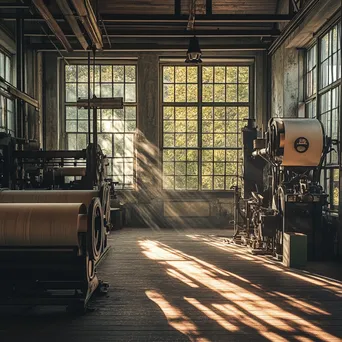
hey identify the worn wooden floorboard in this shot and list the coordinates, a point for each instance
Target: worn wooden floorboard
(189, 285)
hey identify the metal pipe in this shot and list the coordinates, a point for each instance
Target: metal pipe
(106, 33)
(20, 79)
(340, 156)
(55, 46)
(89, 125)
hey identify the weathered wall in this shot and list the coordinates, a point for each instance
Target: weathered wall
(285, 82)
(287, 60)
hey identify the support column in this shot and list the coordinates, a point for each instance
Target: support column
(50, 105)
(20, 74)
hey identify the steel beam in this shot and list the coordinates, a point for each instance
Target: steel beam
(11, 5)
(262, 18)
(179, 34)
(129, 47)
(177, 7)
(209, 7)
(214, 18)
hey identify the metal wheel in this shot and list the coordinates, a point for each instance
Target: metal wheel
(105, 201)
(95, 233)
(280, 202)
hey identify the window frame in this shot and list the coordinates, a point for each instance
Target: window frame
(329, 167)
(63, 104)
(5, 109)
(226, 62)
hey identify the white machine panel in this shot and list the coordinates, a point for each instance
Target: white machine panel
(303, 144)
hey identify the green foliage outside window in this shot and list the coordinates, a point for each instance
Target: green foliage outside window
(203, 113)
(116, 127)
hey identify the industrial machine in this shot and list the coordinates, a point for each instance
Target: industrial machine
(54, 219)
(284, 168)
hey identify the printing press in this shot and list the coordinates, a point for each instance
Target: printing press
(282, 190)
(54, 220)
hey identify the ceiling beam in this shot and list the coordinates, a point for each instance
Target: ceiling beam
(11, 5)
(51, 22)
(122, 47)
(178, 7)
(246, 18)
(69, 16)
(183, 33)
(209, 7)
(214, 18)
(87, 16)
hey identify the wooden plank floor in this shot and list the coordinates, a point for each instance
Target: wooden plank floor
(188, 286)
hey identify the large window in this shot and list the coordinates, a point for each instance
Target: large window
(324, 64)
(116, 127)
(203, 111)
(7, 115)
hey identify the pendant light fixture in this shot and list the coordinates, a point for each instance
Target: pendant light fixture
(194, 52)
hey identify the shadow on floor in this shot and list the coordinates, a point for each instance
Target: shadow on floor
(186, 285)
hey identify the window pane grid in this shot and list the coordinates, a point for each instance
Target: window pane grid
(330, 57)
(329, 108)
(212, 131)
(7, 115)
(311, 75)
(229, 84)
(116, 127)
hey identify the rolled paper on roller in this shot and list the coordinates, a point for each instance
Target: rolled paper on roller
(41, 225)
(70, 171)
(48, 196)
(303, 143)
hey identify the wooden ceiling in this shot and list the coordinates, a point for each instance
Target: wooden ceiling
(156, 23)
(168, 6)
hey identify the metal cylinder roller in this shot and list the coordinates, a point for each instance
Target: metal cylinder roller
(60, 196)
(53, 225)
(41, 225)
(48, 196)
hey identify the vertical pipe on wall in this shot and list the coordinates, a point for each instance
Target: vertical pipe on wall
(340, 138)
(268, 61)
(39, 94)
(19, 73)
(89, 121)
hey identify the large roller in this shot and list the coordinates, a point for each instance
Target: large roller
(60, 196)
(49, 246)
(42, 224)
(48, 196)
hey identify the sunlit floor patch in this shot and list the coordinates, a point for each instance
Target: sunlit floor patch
(242, 304)
(176, 317)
